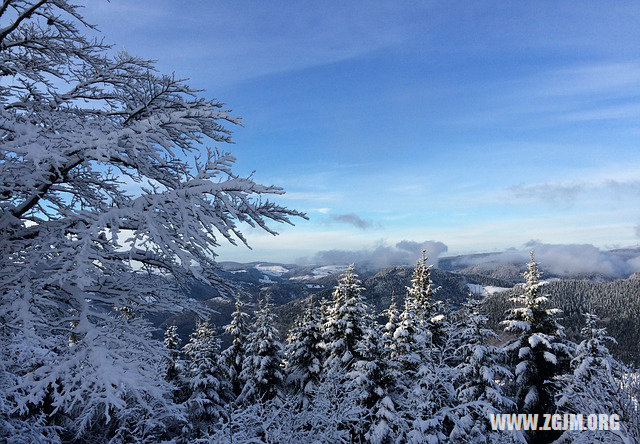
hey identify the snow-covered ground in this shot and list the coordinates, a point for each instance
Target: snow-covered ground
(306, 277)
(271, 270)
(320, 272)
(328, 269)
(220, 300)
(485, 290)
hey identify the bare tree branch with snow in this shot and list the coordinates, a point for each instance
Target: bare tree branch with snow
(78, 128)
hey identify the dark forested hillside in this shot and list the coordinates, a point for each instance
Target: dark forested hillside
(617, 303)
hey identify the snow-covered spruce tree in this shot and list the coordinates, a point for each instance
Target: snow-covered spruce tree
(432, 408)
(172, 344)
(411, 343)
(421, 292)
(346, 323)
(373, 379)
(421, 289)
(234, 355)
(304, 355)
(481, 375)
(625, 403)
(262, 372)
(591, 362)
(410, 347)
(208, 386)
(105, 199)
(176, 374)
(596, 385)
(392, 315)
(539, 352)
(326, 306)
(424, 392)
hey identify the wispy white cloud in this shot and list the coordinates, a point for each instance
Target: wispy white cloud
(588, 79)
(547, 191)
(352, 219)
(246, 40)
(552, 97)
(569, 192)
(616, 112)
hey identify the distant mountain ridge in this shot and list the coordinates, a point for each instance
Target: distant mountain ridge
(509, 265)
(291, 287)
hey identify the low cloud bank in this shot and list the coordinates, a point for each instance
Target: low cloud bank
(380, 255)
(564, 259)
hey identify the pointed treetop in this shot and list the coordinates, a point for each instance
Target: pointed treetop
(421, 290)
(264, 300)
(347, 284)
(349, 274)
(533, 274)
(592, 334)
(171, 338)
(239, 302)
(530, 296)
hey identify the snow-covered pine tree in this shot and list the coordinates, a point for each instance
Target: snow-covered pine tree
(430, 405)
(326, 305)
(592, 354)
(234, 355)
(410, 347)
(304, 355)
(346, 323)
(262, 372)
(209, 388)
(374, 381)
(106, 197)
(421, 292)
(592, 362)
(392, 315)
(421, 289)
(411, 340)
(172, 344)
(176, 373)
(481, 376)
(434, 412)
(596, 385)
(539, 352)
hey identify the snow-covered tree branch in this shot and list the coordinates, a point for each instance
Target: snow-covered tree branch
(109, 198)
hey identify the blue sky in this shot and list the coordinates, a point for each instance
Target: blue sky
(481, 125)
